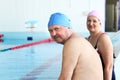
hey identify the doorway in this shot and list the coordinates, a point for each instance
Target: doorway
(112, 16)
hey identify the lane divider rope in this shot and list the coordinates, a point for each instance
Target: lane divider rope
(27, 45)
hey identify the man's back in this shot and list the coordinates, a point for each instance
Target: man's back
(88, 66)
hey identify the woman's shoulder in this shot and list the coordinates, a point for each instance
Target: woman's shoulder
(104, 37)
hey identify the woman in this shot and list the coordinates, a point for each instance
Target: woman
(102, 43)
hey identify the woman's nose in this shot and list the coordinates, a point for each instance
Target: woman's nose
(91, 23)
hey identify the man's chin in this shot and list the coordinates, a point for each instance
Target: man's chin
(60, 42)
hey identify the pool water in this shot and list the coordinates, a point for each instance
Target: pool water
(37, 62)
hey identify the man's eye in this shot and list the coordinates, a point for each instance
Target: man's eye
(56, 29)
(50, 30)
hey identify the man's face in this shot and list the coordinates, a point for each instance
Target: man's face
(58, 33)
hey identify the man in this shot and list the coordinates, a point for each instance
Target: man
(80, 61)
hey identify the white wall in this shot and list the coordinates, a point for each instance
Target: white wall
(14, 13)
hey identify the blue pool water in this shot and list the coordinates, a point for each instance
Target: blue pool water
(37, 62)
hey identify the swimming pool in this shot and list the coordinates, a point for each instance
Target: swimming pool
(36, 62)
(41, 62)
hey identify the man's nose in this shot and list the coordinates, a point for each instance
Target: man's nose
(53, 33)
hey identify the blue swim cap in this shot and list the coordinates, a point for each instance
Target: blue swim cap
(59, 19)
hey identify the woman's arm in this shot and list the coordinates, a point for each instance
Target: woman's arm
(106, 50)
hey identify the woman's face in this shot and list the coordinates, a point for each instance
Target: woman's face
(93, 24)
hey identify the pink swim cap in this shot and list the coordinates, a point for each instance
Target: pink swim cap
(95, 14)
